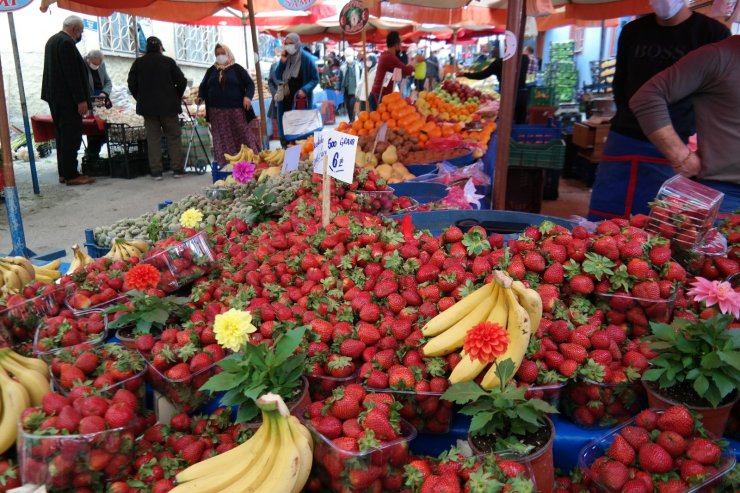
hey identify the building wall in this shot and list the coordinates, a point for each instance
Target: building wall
(33, 28)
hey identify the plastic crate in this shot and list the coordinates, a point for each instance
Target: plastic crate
(95, 167)
(93, 249)
(541, 96)
(217, 174)
(128, 164)
(121, 133)
(524, 189)
(421, 192)
(541, 115)
(535, 146)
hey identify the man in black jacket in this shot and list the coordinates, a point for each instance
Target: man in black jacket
(64, 87)
(157, 84)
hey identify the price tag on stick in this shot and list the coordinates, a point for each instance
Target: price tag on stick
(380, 136)
(340, 148)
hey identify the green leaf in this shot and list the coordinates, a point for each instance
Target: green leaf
(464, 392)
(247, 412)
(731, 358)
(505, 370)
(287, 344)
(479, 422)
(653, 374)
(723, 384)
(220, 382)
(701, 385)
(664, 332)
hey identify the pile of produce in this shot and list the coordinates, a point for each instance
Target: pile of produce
(117, 116)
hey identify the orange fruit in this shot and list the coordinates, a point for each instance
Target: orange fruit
(364, 115)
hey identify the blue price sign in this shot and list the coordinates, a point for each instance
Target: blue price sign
(296, 4)
(90, 25)
(11, 5)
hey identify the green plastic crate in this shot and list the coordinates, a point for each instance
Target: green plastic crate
(550, 155)
(541, 96)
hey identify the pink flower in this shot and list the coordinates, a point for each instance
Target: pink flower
(716, 293)
(244, 171)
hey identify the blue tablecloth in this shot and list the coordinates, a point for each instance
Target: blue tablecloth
(327, 95)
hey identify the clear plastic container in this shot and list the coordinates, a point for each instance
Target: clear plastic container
(686, 208)
(647, 310)
(134, 383)
(376, 201)
(334, 466)
(182, 263)
(20, 320)
(597, 448)
(41, 350)
(426, 411)
(713, 245)
(321, 386)
(96, 308)
(549, 393)
(62, 462)
(599, 405)
(414, 205)
(218, 193)
(127, 339)
(183, 393)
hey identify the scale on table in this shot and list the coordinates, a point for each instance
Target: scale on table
(567, 114)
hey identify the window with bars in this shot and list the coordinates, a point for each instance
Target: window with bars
(117, 34)
(195, 44)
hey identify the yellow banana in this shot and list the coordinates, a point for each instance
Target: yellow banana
(10, 277)
(519, 333)
(468, 369)
(305, 449)
(222, 464)
(15, 399)
(457, 312)
(530, 301)
(53, 265)
(257, 474)
(21, 262)
(141, 245)
(30, 363)
(286, 469)
(453, 338)
(23, 275)
(232, 158)
(36, 385)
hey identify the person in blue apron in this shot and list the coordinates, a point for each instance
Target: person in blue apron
(632, 169)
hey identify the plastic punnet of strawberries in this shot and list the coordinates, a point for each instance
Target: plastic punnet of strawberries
(20, 313)
(80, 440)
(65, 330)
(360, 441)
(103, 368)
(665, 451)
(97, 284)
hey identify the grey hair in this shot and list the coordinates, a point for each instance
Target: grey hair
(71, 22)
(95, 55)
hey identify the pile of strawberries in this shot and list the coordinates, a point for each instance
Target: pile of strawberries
(22, 312)
(65, 330)
(180, 262)
(180, 362)
(10, 476)
(162, 451)
(664, 451)
(80, 440)
(361, 442)
(104, 368)
(452, 472)
(97, 284)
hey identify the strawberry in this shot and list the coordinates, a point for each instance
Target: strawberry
(672, 442)
(638, 267)
(178, 372)
(692, 471)
(352, 348)
(660, 254)
(385, 287)
(654, 458)
(573, 352)
(200, 362)
(672, 486)
(180, 422)
(377, 379)
(192, 453)
(400, 377)
(328, 425)
(648, 419)
(635, 436)
(370, 313)
(613, 475)
(555, 274)
(703, 451)
(528, 371)
(340, 366)
(87, 362)
(118, 415)
(68, 419)
(70, 374)
(581, 284)
(534, 261)
(367, 334)
(568, 368)
(678, 419)
(620, 450)
(635, 486)
(52, 403)
(379, 424)
(453, 234)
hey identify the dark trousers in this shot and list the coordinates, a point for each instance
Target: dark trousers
(170, 125)
(373, 102)
(94, 144)
(68, 131)
(349, 103)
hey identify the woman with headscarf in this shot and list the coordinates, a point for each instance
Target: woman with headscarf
(227, 90)
(297, 77)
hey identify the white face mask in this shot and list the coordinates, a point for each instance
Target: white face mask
(94, 66)
(291, 49)
(222, 59)
(666, 9)
(350, 59)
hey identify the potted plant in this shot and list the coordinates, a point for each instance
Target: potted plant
(505, 422)
(145, 314)
(261, 368)
(698, 365)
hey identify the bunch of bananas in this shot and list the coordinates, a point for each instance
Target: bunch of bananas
(274, 157)
(27, 387)
(15, 273)
(276, 459)
(244, 154)
(79, 259)
(48, 273)
(125, 249)
(503, 301)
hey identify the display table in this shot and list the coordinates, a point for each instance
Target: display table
(43, 127)
(328, 95)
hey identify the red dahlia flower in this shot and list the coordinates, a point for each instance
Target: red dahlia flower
(142, 277)
(486, 342)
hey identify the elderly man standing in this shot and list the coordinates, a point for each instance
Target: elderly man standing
(157, 84)
(99, 84)
(65, 87)
(709, 77)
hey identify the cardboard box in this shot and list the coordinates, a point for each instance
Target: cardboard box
(587, 135)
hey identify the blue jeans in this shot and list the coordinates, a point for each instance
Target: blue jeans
(731, 202)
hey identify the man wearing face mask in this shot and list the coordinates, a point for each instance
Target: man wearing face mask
(99, 84)
(350, 74)
(65, 87)
(632, 169)
(388, 62)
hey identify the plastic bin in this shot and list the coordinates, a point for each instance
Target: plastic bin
(217, 174)
(541, 115)
(421, 192)
(93, 249)
(541, 96)
(535, 146)
(321, 386)
(378, 202)
(421, 169)
(504, 222)
(638, 312)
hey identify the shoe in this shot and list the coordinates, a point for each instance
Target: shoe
(62, 180)
(157, 177)
(80, 180)
(178, 173)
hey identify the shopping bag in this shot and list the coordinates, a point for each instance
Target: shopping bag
(300, 124)
(328, 112)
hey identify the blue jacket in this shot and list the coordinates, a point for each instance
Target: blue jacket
(309, 75)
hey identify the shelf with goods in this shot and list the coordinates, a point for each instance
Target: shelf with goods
(561, 72)
(371, 311)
